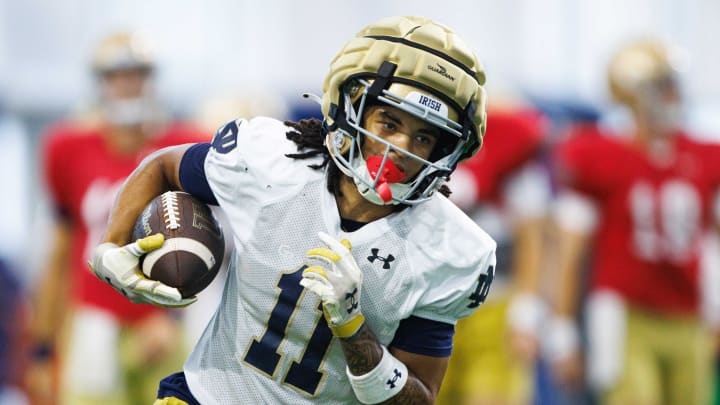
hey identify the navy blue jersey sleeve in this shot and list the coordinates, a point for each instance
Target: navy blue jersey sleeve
(423, 336)
(192, 173)
(174, 387)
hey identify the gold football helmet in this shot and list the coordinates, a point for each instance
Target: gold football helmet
(421, 67)
(637, 66)
(122, 51)
(643, 76)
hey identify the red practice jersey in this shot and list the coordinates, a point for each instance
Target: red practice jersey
(83, 176)
(512, 138)
(653, 209)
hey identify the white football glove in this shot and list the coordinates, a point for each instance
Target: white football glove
(337, 281)
(118, 266)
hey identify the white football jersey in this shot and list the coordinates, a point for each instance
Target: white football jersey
(268, 341)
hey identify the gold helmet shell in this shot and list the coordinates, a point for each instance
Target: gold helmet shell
(637, 65)
(122, 50)
(426, 55)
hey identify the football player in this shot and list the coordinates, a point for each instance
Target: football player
(350, 266)
(86, 159)
(645, 198)
(506, 190)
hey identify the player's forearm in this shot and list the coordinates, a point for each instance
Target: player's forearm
(527, 256)
(50, 305)
(363, 353)
(155, 175)
(575, 219)
(570, 253)
(50, 296)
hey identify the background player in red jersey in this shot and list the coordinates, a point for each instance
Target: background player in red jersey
(505, 189)
(647, 197)
(113, 347)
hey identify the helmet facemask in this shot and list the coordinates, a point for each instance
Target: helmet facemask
(660, 101)
(374, 176)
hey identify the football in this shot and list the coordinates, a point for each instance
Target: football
(194, 244)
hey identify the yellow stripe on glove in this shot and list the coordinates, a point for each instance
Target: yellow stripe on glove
(323, 253)
(337, 280)
(347, 329)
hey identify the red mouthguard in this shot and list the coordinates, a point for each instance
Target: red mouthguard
(389, 174)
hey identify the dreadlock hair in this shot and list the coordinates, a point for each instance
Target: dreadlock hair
(309, 136)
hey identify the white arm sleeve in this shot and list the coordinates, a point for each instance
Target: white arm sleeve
(457, 293)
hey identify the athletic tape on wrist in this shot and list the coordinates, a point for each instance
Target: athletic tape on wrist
(526, 313)
(575, 212)
(562, 339)
(381, 383)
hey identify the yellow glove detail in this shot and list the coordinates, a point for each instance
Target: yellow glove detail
(151, 242)
(118, 266)
(335, 277)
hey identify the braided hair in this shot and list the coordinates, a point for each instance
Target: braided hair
(309, 136)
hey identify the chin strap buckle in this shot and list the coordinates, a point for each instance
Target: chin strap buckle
(382, 80)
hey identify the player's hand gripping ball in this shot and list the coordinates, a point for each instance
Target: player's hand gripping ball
(335, 277)
(118, 266)
(178, 251)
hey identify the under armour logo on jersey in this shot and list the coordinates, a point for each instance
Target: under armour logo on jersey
(482, 289)
(352, 296)
(391, 382)
(386, 260)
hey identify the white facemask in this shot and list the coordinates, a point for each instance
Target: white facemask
(362, 178)
(666, 116)
(125, 112)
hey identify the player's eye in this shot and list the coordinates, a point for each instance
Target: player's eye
(388, 126)
(425, 139)
(422, 139)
